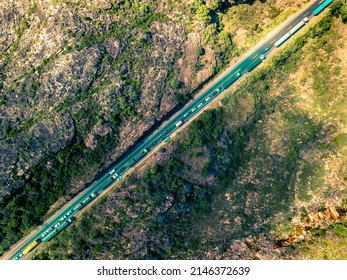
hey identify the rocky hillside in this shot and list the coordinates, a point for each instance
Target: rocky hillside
(81, 81)
(260, 176)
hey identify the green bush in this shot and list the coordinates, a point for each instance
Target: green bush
(340, 229)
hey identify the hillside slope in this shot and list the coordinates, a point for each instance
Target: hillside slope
(262, 175)
(82, 81)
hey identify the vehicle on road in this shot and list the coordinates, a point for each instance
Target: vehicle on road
(78, 207)
(282, 40)
(154, 143)
(220, 89)
(297, 27)
(63, 218)
(59, 229)
(21, 255)
(178, 123)
(86, 200)
(29, 248)
(321, 7)
(119, 178)
(253, 65)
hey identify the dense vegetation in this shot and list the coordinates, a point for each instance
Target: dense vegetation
(75, 84)
(239, 170)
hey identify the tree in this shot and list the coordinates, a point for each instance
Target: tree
(214, 4)
(343, 13)
(339, 8)
(203, 14)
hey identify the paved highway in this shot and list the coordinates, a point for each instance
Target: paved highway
(162, 134)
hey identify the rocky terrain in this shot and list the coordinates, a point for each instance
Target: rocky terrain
(82, 81)
(262, 175)
(77, 78)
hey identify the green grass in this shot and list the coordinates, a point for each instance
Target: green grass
(339, 229)
(327, 244)
(340, 140)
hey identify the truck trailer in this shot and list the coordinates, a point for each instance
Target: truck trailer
(321, 7)
(31, 246)
(253, 65)
(282, 40)
(297, 27)
(59, 229)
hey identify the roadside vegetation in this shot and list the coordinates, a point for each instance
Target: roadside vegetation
(72, 97)
(272, 154)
